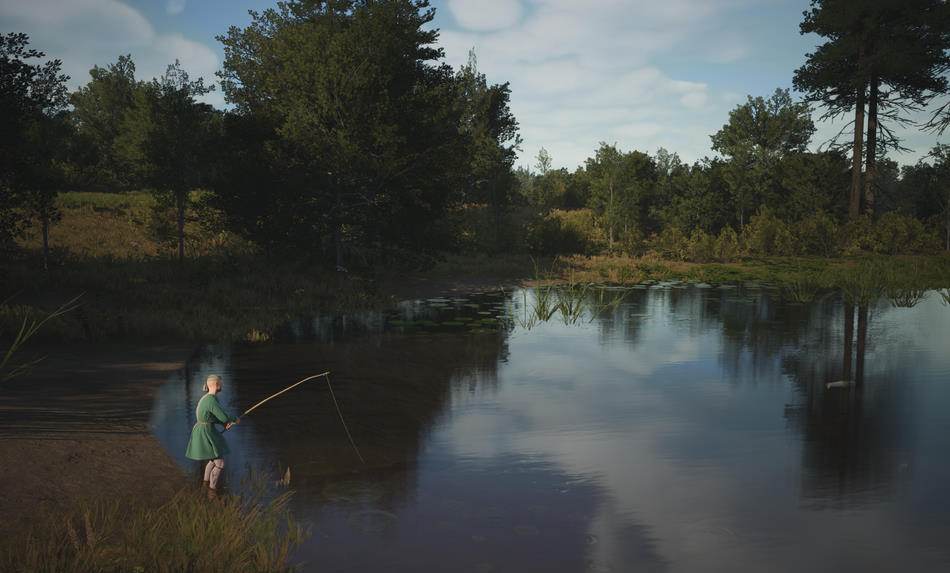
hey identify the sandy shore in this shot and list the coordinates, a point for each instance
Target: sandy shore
(75, 429)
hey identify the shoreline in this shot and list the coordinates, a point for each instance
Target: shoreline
(74, 429)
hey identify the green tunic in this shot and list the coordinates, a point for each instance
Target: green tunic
(206, 441)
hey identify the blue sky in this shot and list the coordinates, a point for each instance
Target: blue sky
(642, 74)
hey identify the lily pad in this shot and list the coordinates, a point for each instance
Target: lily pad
(492, 513)
(526, 530)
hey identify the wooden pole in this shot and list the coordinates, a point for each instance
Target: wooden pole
(251, 409)
(335, 403)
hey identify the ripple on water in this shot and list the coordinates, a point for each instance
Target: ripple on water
(352, 491)
(371, 520)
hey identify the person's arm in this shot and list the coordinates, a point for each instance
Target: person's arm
(218, 412)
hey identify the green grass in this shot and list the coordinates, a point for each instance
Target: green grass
(251, 532)
(105, 201)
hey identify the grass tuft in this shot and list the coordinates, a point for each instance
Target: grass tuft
(250, 532)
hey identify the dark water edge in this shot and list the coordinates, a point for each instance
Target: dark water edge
(686, 427)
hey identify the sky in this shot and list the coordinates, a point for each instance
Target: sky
(641, 74)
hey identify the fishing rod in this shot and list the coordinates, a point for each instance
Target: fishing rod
(325, 375)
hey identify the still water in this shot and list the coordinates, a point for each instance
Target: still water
(681, 427)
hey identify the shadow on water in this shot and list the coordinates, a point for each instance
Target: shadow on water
(672, 427)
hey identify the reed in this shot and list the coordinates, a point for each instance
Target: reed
(803, 285)
(29, 326)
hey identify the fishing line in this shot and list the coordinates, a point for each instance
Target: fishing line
(335, 403)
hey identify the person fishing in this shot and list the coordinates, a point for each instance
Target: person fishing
(206, 442)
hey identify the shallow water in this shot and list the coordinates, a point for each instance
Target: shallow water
(683, 428)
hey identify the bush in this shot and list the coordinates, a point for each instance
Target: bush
(817, 234)
(673, 244)
(701, 247)
(855, 235)
(896, 233)
(766, 234)
(631, 242)
(559, 232)
(727, 245)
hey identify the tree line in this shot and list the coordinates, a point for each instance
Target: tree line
(345, 135)
(346, 139)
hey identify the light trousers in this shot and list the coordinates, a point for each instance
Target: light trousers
(213, 471)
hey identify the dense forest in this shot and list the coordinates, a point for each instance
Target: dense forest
(347, 142)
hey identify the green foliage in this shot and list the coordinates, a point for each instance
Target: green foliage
(727, 245)
(759, 134)
(99, 109)
(560, 233)
(896, 233)
(817, 234)
(766, 235)
(704, 248)
(855, 235)
(673, 243)
(168, 133)
(33, 135)
(701, 247)
(368, 140)
(632, 241)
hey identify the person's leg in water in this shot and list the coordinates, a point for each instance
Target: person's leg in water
(213, 475)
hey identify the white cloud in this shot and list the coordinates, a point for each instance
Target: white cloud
(585, 72)
(84, 33)
(485, 14)
(175, 7)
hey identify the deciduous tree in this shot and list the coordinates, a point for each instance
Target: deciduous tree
(31, 96)
(99, 110)
(167, 132)
(758, 135)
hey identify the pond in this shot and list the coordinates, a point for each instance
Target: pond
(665, 427)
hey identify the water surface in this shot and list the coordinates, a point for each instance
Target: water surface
(684, 428)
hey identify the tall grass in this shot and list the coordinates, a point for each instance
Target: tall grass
(251, 532)
(28, 329)
(571, 300)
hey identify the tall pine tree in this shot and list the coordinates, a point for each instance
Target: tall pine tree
(887, 57)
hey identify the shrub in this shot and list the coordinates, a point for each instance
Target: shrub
(896, 233)
(673, 243)
(855, 235)
(766, 234)
(631, 242)
(727, 245)
(558, 233)
(701, 247)
(817, 234)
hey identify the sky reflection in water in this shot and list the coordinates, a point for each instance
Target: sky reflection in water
(684, 429)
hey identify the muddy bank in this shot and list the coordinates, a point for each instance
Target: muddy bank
(75, 429)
